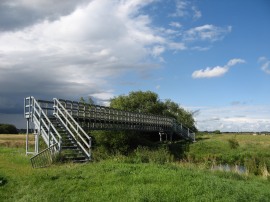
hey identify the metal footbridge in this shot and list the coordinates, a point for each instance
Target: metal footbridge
(62, 124)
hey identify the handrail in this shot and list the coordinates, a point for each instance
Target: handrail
(59, 108)
(44, 158)
(48, 125)
(36, 112)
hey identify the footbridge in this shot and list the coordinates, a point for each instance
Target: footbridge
(62, 124)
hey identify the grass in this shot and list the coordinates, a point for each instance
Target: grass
(118, 179)
(248, 150)
(15, 140)
(114, 180)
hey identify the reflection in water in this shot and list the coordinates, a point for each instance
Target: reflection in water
(228, 168)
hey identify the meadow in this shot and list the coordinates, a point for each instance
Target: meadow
(120, 178)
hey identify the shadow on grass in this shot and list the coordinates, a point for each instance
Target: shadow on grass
(179, 148)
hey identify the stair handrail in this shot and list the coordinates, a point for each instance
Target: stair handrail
(59, 108)
(37, 109)
(180, 127)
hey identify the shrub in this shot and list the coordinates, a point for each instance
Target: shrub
(234, 144)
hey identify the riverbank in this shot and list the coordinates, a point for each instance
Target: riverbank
(246, 150)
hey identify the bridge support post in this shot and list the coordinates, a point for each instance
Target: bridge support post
(160, 136)
(36, 134)
(27, 136)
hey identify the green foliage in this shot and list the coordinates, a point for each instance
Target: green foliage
(123, 142)
(90, 100)
(234, 144)
(180, 114)
(145, 102)
(8, 129)
(148, 102)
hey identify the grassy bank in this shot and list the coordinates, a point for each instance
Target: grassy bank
(122, 178)
(115, 180)
(248, 150)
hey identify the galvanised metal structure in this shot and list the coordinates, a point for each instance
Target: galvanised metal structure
(62, 125)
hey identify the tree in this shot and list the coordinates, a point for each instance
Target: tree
(90, 100)
(8, 129)
(148, 102)
(180, 114)
(145, 102)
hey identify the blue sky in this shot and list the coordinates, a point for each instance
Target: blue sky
(211, 57)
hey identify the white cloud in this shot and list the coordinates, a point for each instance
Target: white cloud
(185, 8)
(216, 71)
(209, 72)
(180, 8)
(79, 51)
(196, 13)
(175, 24)
(158, 50)
(206, 33)
(265, 64)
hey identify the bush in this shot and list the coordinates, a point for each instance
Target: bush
(234, 144)
(8, 129)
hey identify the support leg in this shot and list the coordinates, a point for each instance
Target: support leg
(27, 136)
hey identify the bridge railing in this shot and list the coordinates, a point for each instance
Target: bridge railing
(81, 137)
(184, 131)
(110, 118)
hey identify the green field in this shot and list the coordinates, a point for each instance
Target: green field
(120, 179)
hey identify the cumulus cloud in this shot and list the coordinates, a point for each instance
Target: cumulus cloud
(77, 52)
(217, 71)
(265, 64)
(75, 48)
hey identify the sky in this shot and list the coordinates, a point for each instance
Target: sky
(211, 57)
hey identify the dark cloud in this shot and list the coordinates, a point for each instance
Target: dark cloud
(18, 14)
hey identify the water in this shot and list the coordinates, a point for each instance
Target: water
(229, 168)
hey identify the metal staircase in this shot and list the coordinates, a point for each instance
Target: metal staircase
(62, 125)
(59, 132)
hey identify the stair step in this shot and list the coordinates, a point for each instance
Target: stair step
(70, 147)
